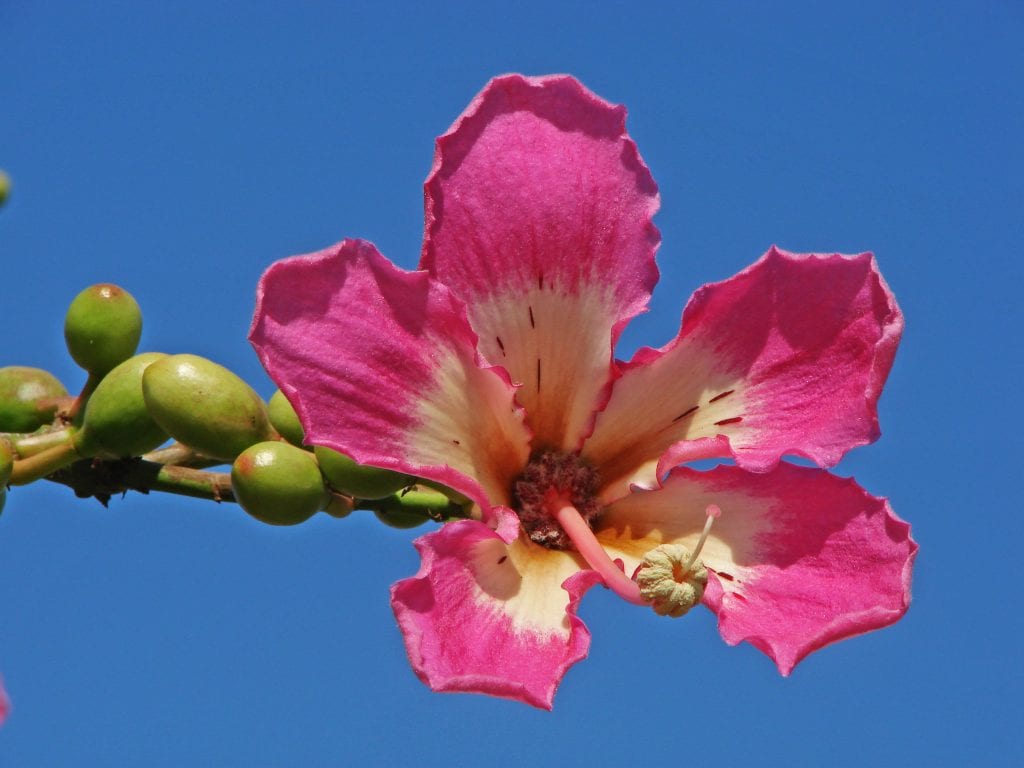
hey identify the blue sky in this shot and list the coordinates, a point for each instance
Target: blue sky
(178, 151)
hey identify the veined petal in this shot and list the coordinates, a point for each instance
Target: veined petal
(538, 216)
(380, 364)
(491, 612)
(788, 356)
(800, 558)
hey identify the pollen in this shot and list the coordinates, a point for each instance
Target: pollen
(562, 474)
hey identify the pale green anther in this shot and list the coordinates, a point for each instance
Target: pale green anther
(664, 580)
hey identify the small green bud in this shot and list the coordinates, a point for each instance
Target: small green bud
(285, 420)
(28, 398)
(357, 480)
(117, 423)
(102, 327)
(399, 518)
(6, 462)
(5, 187)
(410, 509)
(205, 406)
(278, 483)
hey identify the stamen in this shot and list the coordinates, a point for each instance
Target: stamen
(672, 579)
(578, 531)
(713, 511)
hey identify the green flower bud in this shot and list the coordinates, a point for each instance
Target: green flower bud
(397, 518)
(278, 483)
(205, 406)
(357, 480)
(117, 423)
(6, 462)
(411, 509)
(400, 520)
(285, 420)
(102, 327)
(5, 187)
(28, 398)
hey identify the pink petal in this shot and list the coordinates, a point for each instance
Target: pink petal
(538, 216)
(492, 613)
(379, 363)
(803, 558)
(5, 703)
(788, 356)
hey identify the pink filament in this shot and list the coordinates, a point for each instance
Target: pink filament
(577, 529)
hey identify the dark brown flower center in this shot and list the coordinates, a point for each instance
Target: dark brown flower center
(561, 474)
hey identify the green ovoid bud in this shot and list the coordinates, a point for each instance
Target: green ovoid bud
(357, 480)
(278, 483)
(6, 462)
(5, 187)
(285, 420)
(117, 423)
(411, 509)
(205, 406)
(399, 518)
(28, 398)
(102, 327)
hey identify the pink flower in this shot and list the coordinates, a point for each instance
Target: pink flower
(490, 370)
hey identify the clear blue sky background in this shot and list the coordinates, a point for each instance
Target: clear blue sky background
(178, 149)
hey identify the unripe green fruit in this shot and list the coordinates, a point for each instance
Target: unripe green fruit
(102, 327)
(278, 483)
(285, 420)
(357, 480)
(6, 462)
(117, 423)
(205, 406)
(27, 398)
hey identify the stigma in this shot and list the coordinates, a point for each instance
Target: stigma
(671, 578)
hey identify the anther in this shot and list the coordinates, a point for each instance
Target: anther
(671, 578)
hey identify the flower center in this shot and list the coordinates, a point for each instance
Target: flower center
(548, 474)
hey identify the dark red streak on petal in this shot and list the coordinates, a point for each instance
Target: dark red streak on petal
(719, 397)
(685, 413)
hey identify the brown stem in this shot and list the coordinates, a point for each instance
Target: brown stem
(103, 479)
(91, 382)
(180, 456)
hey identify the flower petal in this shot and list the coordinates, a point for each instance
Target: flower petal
(788, 356)
(379, 363)
(5, 703)
(801, 558)
(538, 216)
(490, 612)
